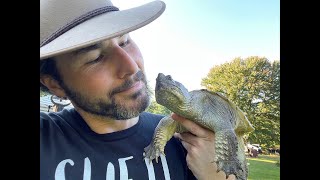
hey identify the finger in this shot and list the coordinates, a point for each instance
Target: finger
(177, 135)
(231, 177)
(189, 147)
(186, 145)
(191, 126)
(188, 137)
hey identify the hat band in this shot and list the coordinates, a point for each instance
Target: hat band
(77, 21)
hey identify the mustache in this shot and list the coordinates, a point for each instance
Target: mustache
(139, 76)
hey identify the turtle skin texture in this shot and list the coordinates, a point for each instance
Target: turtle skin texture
(211, 110)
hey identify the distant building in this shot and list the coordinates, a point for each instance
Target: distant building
(47, 106)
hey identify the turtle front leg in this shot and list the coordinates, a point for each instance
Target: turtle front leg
(226, 147)
(162, 134)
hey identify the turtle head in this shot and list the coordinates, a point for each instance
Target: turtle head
(170, 93)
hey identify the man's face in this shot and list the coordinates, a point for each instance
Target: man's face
(106, 79)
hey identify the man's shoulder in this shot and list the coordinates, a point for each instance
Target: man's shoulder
(47, 118)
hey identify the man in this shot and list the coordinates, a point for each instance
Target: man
(88, 57)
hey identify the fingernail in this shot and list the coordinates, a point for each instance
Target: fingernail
(175, 117)
(176, 135)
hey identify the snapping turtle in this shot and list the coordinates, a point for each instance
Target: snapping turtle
(209, 109)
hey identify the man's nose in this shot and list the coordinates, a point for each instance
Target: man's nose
(126, 64)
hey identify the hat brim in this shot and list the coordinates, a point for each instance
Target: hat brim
(103, 27)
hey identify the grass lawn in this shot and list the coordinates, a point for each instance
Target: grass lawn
(264, 167)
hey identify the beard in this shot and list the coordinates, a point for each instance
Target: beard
(121, 109)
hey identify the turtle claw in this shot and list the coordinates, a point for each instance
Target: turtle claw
(226, 155)
(230, 167)
(153, 152)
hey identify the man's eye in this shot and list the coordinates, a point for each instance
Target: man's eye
(123, 44)
(96, 60)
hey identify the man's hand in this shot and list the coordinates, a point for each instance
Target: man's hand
(199, 142)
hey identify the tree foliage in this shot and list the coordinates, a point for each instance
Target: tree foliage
(158, 109)
(254, 85)
(43, 93)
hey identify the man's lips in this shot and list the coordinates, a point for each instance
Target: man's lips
(133, 84)
(137, 86)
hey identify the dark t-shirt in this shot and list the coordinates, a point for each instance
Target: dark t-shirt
(70, 150)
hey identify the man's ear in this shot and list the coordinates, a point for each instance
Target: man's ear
(52, 85)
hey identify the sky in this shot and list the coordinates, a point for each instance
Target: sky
(191, 37)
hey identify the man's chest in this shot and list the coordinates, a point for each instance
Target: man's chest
(113, 163)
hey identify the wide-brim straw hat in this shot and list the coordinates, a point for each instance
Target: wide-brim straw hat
(67, 25)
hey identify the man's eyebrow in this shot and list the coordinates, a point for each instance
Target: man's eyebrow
(86, 49)
(94, 47)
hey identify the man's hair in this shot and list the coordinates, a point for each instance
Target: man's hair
(48, 67)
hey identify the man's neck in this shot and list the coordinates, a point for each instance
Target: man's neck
(104, 125)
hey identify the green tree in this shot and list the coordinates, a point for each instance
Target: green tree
(254, 85)
(43, 93)
(157, 108)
